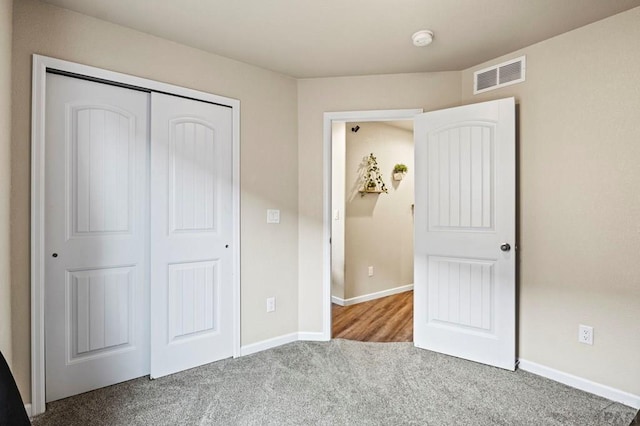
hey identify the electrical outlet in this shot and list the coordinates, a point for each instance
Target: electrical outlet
(271, 304)
(585, 334)
(370, 271)
(273, 216)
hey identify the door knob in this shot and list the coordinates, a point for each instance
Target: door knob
(505, 247)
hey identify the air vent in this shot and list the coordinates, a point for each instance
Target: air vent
(504, 74)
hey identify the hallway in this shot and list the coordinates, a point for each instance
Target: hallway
(389, 319)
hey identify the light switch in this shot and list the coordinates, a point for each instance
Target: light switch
(273, 216)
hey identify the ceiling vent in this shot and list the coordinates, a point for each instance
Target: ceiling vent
(504, 74)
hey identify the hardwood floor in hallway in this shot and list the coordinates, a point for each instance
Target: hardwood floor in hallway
(389, 319)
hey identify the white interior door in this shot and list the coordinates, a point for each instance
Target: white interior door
(191, 234)
(96, 295)
(465, 232)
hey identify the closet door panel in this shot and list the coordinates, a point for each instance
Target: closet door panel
(96, 285)
(191, 231)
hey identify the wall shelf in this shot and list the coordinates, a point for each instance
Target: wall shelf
(368, 191)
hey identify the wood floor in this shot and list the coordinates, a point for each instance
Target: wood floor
(389, 319)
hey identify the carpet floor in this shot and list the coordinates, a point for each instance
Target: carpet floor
(339, 383)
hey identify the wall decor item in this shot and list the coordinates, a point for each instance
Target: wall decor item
(372, 179)
(399, 170)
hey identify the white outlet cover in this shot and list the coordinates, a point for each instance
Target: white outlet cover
(273, 216)
(585, 334)
(271, 304)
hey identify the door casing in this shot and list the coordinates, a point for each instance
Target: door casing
(39, 70)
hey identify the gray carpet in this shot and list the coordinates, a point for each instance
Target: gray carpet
(339, 383)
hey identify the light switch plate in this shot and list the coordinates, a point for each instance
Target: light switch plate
(273, 216)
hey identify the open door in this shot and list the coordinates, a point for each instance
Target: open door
(465, 232)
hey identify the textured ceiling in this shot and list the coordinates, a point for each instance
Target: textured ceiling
(322, 38)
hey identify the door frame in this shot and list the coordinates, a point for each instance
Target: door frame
(39, 72)
(328, 119)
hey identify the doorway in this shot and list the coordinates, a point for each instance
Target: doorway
(372, 232)
(464, 266)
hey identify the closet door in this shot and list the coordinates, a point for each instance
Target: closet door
(191, 233)
(96, 285)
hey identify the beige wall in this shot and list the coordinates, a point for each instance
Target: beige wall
(317, 96)
(579, 170)
(5, 176)
(268, 154)
(378, 227)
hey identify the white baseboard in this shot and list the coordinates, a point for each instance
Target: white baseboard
(268, 344)
(371, 296)
(312, 336)
(337, 300)
(282, 340)
(582, 384)
(27, 408)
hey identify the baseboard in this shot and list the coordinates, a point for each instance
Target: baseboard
(312, 336)
(274, 342)
(582, 384)
(27, 408)
(371, 296)
(268, 344)
(337, 300)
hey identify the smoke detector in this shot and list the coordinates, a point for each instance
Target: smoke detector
(422, 38)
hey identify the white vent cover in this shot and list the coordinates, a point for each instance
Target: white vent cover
(504, 74)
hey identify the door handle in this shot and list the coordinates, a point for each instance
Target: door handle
(505, 247)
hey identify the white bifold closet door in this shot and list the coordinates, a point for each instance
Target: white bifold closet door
(96, 234)
(138, 224)
(191, 233)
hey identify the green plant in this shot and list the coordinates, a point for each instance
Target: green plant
(400, 168)
(372, 176)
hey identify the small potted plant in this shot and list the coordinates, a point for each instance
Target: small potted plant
(399, 171)
(372, 178)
